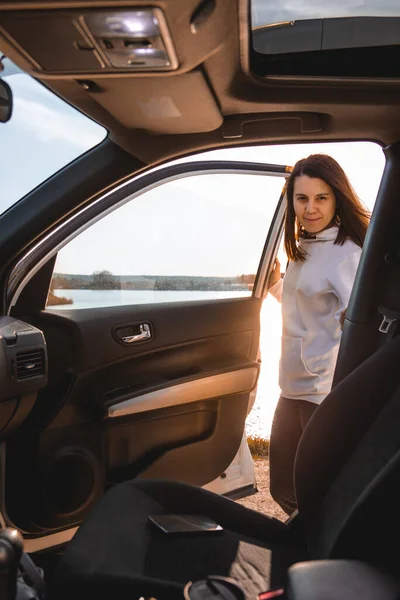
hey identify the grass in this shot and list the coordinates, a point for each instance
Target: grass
(53, 300)
(259, 447)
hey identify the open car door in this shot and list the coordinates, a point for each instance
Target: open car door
(148, 299)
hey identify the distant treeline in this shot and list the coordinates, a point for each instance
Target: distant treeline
(104, 280)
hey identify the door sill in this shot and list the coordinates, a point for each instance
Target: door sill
(244, 492)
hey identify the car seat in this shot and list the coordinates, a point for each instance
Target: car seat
(346, 473)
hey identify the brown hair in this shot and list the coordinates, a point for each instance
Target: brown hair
(351, 216)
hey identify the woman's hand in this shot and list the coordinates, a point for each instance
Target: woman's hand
(276, 274)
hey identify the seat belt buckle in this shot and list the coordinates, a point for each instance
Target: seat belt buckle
(389, 317)
(386, 324)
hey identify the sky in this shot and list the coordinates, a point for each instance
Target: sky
(210, 225)
(43, 135)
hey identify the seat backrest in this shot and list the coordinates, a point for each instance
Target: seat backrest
(363, 499)
(341, 422)
(343, 454)
(371, 530)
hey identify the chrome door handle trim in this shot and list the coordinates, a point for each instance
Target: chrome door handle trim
(145, 334)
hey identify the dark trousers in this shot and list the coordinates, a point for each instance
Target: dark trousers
(290, 420)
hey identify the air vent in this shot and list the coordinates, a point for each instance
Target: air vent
(30, 364)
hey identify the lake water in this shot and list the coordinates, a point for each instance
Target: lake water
(260, 418)
(94, 298)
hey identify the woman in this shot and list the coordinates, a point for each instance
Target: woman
(325, 229)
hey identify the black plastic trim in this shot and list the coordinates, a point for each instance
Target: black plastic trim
(361, 336)
(243, 492)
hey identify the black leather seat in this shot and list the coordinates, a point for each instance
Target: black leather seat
(346, 474)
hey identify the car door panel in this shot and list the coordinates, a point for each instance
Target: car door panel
(172, 405)
(182, 391)
(186, 322)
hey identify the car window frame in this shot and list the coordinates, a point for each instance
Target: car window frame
(45, 249)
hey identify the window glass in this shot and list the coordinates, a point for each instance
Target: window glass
(198, 237)
(266, 13)
(344, 38)
(43, 135)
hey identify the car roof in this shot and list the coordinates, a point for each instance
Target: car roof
(213, 99)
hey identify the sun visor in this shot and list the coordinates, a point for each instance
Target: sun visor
(168, 105)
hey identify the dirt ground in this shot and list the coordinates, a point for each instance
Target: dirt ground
(262, 501)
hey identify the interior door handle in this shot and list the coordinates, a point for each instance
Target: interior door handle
(145, 334)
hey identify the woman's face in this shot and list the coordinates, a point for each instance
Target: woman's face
(314, 203)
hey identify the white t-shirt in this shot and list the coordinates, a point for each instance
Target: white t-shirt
(313, 295)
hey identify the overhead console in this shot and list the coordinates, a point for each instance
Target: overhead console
(134, 39)
(23, 371)
(139, 64)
